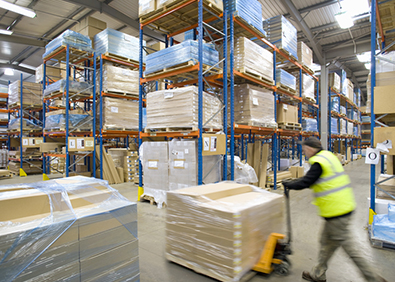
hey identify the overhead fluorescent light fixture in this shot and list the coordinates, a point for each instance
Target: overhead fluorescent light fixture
(9, 72)
(355, 7)
(344, 19)
(6, 32)
(17, 9)
(364, 57)
(367, 66)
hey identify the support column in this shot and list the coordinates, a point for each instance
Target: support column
(324, 107)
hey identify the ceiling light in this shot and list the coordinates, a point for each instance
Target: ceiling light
(355, 7)
(344, 19)
(9, 72)
(364, 57)
(6, 32)
(367, 66)
(17, 9)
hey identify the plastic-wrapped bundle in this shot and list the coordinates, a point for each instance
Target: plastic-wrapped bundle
(244, 173)
(3, 117)
(3, 157)
(253, 105)
(350, 112)
(335, 104)
(177, 108)
(308, 86)
(71, 38)
(74, 228)
(350, 128)
(3, 89)
(282, 33)
(343, 110)
(188, 35)
(249, 10)
(249, 56)
(201, 223)
(309, 125)
(27, 124)
(74, 87)
(285, 78)
(305, 54)
(355, 131)
(118, 79)
(343, 127)
(384, 62)
(32, 93)
(383, 226)
(120, 114)
(334, 81)
(180, 53)
(355, 116)
(76, 121)
(344, 82)
(118, 43)
(334, 126)
(365, 119)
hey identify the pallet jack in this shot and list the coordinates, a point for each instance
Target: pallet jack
(274, 257)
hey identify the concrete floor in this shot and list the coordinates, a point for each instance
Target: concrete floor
(306, 228)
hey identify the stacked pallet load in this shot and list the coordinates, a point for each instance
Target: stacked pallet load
(31, 155)
(131, 167)
(343, 127)
(52, 73)
(178, 108)
(119, 114)
(308, 86)
(282, 34)
(286, 80)
(32, 94)
(229, 217)
(305, 54)
(252, 59)
(336, 104)
(309, 125)
(287, 117)
(253, 106)
(350, 128)
(74, 229)
(78, 120)
(120, 80)
(248, 11)
(334, 125)
(90, 26)
(76, 89)
(334, 82)
(28, 125)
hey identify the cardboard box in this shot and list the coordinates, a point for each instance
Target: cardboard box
(90, 31)
(381, 134)
(305, 54)
(214, 144)
(300, 171)
(46, 147)
(287, 113)
(90, 21)
(384, 99)
(81, 144)
(53, 73)
(146, 6)
(294, 171)
(31, 142)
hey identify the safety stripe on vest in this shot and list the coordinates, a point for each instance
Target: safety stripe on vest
(337, 174)
(325, 193)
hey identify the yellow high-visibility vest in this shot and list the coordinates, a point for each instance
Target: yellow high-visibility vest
(332, 191)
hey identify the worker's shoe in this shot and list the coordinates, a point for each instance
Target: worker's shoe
(306, 276)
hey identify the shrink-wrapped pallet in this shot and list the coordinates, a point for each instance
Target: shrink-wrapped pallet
(285, 79)
(114, 42)
(350, 128)
(71, 38)
(249, 10)
(178, 108)
(335, 104)
(343, 110)
(305, 54)
(253, 106)
(334, 125)
(249, 57)
(282, 33)
(309, 125)
(31, 93)
(52, 74)
(120, 80)
(220, 229)
(119, 114)
(72, 229)
(184, 52)
(14, 124)
(343, 127)
(78, 119)
(307, 86)
(334, 81)
(75, 87)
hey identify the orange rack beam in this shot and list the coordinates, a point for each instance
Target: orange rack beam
(170, 134)
(3, 95)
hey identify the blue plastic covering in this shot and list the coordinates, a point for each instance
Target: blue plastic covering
(188, 35)
(344, 82)
(27, 124)
(309, 125)
(178, 54)
(71, 38)
(282, 33)
(144, 117)
(248, 10)
(74, 87)
(56, 122)
(343, 110)
(349, 113)
(118, 43)
(48, 247)
(365, 119)
(285, 78)
(335, 104)
(356, 131)
(334, 126)
(384, 225)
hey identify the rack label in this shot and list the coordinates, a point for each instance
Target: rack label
(153, 164)
(213, 145)
(178, 163)
(72, 143)
(89, 143)
(114, 109)
(80, 143)
(168, 95)
(206, 143)
(255, 101)
(25, 142)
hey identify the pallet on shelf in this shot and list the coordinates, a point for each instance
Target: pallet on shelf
(177, 129)
(121, 58)
(76, 54)
(5, 173)
(255, 75)
(25, 106)
(286, 88)
(290, 125)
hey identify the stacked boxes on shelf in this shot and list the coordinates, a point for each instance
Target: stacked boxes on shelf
(285, 79)
(287, 114)
(249, 10)
(251, 58)
(78, 119)
(119, 114)
(131, 167)
(90, 26)
(146, 7)
(283, 34)
(309, 125)
(202, 220)
(334, 82)
(334, 125)
(350, 128)
(335, 104)
(52, 72)
(120, 80)
(308, 86)
(343, 127)
(305, 54)
(32, 93)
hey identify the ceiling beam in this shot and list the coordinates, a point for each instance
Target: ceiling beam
(18, 68)
(22, 40)
(117, 15)
(314, 7)
(346, 51)
(290, 7)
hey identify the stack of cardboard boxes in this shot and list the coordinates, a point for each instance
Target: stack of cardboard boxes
(90, 26)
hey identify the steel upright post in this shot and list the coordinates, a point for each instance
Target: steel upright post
(225, 89)
(67, 109)
(200, 92)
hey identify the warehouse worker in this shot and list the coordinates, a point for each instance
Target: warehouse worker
(335, 200)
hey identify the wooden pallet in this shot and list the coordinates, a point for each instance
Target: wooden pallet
(24, 130)
(239, 31)
(125, 94)
(75, 54)
(72, 95)
(282, 59)
(105, 129)
(286, 88)
(253, 74)
(71, 130)
(5, 174)
(309, 99)
(121, 58)
(25, 106)
(258, 124)
(150, 199)
(289, 126)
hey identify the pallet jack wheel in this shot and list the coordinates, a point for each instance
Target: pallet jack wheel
(282, 269)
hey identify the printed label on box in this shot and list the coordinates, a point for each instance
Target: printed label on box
(206, 143)
(285, 107)
(89, 143)
(178, 163)
(114, 109)
(38, 141)
(72, 143)
(213, 147)
(186, 151)
(255, 101)
(25, 142)
(80, 143)
(31, 141)
(168, 95)
(153, 164)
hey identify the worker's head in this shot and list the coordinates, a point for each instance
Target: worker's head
(311, 146)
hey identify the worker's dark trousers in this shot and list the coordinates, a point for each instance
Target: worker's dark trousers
(337, 233)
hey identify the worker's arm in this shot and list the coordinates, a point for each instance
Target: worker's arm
(306, 181)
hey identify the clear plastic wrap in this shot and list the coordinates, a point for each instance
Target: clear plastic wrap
(334, 126)
(58, 122)
(177, 108)
(52, 73)
(307, 86)
(27, 124)
(253, 105)
(249, 10)
(252, 58)
(305, 54)
(343, 127)
(118, 43)
(383, 62)
(3, 157)
(118, 79)
(335, 104)
(383, 226)
(73, 228)
(282, 33)
(188, 35)
(355, 116)
(343, 110)
(74, 87)
(356, 131)
(71, 38)
(32, 93)
(221, 229)
(285, 78)
(119, 114)
(334, 81)
(181, 53)
(344, 82)
(350, 128)
(3, 89)
(309, 125)
(244, 173)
